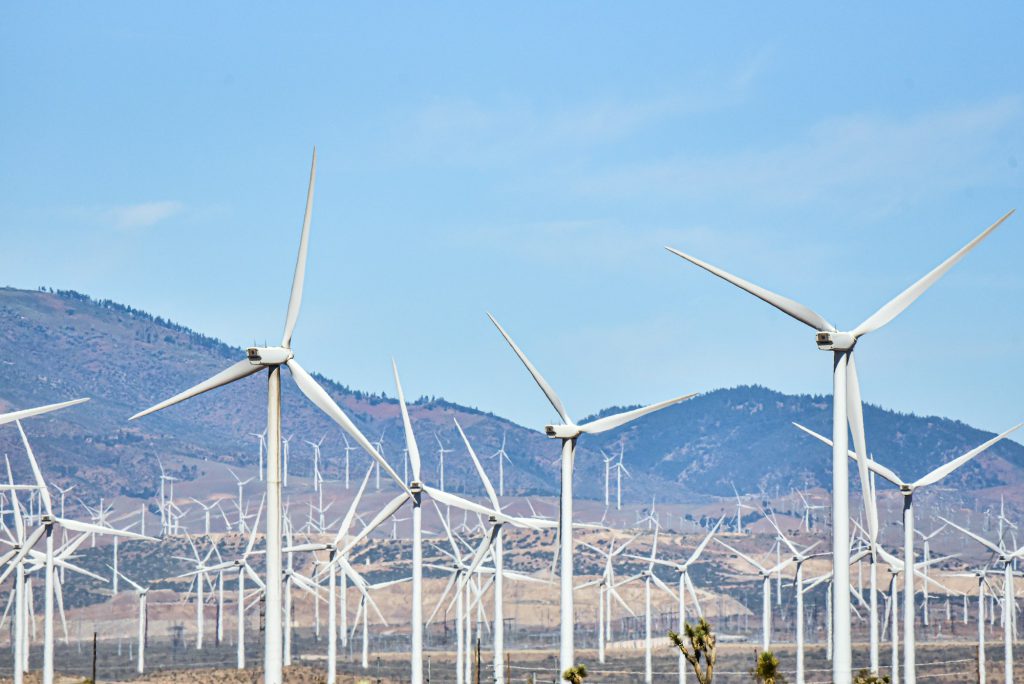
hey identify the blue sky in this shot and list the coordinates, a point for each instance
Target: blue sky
(532, 160)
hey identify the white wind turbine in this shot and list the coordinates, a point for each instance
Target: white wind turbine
(317, 480)
(980, 575)
(206, 513)
(285, 444)
(413, 492)
(272, 359)
(262, 437)
(739, 510)
(798, 559)
(907, 489)
(348, 448)
(766, 591)
(502, 457)
(607, 476)
(648, 576)
(496, 544)
(143, 594)
(441, 451)
(48, 520)
(846, 411)
(568, 432)
(926, 555)
(606, 592)
(620, 469)
(335, 561)
(1007, 558)
(686, 584)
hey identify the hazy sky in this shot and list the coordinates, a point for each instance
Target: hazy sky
(532, 161)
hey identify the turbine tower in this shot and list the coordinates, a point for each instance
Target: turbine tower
(272, 359)
(847, 416)
(568, 432)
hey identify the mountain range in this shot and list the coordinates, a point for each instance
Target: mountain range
(61, 345)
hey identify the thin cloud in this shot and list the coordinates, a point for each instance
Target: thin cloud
(856, 155)
(144, 215)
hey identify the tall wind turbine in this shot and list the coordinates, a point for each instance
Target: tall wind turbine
(568, 432)
(262, 437)
(846, 411)
(272, 359)
(907, 489)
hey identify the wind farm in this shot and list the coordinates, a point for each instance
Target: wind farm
(495, 205)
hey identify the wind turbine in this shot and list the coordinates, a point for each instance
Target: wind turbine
(413, 492)
(348, 448)
(143, 593)
(606, 584)
(907, 489)
(1007, 558)
(568, 432)
(262, 437)
(241, 489)
(686, 584)
(846, 411)
(441, 451)
(285, 444)
(316, 462)
(648, 577)
(502, 457)
(798, 559)
(333, 563)
(607, 476)
(272, 359)
(206, 511)
(620, 469)
(766, 591)
(739, 509)
(48, 520)
(498, 553)
(926, 555)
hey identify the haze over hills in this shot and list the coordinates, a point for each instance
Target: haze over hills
(63, 345)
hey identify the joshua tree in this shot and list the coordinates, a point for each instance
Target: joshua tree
(865, 677)
(575, 675)
(697, 644)
(766, 669)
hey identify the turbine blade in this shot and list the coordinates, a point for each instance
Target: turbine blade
(22, 552)
(984, 542)
(945, 469)
(896, 306)
(743, 556)
(548, 391)
(346, 522)
(664, 587)
(385, 513)
(78, 526)
(795, 309)
(255, 527)
(855, 416)
(491, 494)
(873, 466)
(44, 493)
(59, 595)
(440, 601)
(295, 299)
(410, 437)
(609, 422)
(693, 593)
(318, 395)
(234, 372)
(700, 547)
(27, 413)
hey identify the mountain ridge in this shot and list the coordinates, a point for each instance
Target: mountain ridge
(63, 344)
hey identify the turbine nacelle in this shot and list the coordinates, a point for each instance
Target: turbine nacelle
(269, 356)
(563, 431)
(830, 340)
